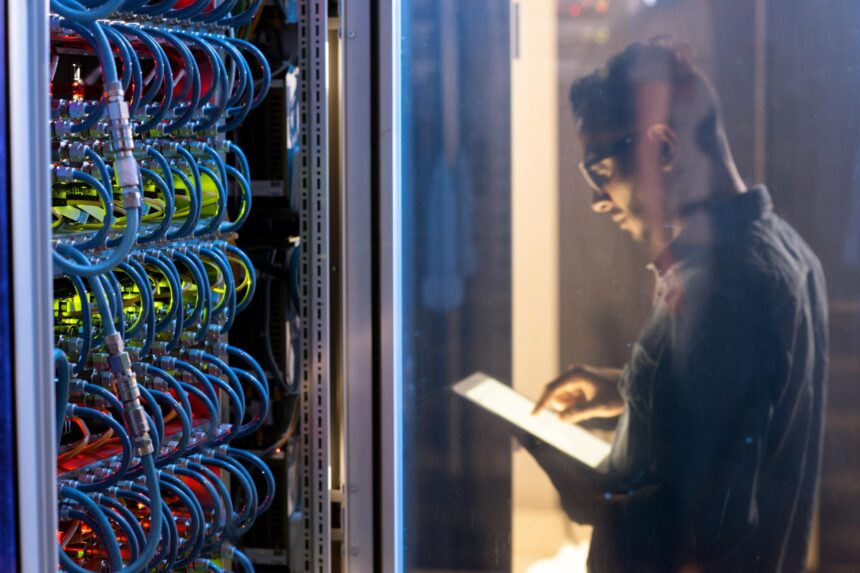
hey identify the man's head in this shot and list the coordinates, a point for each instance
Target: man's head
(651, 132)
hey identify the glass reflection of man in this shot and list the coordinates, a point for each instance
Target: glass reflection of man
(716, 456)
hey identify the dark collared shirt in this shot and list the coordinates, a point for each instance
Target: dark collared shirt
(718, 452)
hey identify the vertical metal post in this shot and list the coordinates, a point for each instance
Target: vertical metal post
(356, 346)
(29, 162)
(314, 282)
(390, 290)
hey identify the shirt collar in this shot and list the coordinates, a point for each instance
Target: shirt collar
(713, 223)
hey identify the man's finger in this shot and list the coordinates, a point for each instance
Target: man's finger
(544, 398)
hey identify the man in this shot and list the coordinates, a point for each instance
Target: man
(716, 455)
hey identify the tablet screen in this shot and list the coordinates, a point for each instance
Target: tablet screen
(501, 400)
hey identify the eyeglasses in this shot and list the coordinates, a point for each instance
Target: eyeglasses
(598, 180)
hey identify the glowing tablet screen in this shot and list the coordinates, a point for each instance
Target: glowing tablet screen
(501, 400)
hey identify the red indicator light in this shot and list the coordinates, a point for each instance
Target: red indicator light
(574, 10)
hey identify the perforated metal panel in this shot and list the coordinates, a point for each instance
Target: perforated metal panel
(314, 281)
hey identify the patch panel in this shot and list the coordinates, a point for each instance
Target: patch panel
(148, 195)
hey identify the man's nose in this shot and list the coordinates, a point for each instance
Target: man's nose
(600, 202)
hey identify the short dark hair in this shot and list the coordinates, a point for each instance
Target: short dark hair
(604, 100)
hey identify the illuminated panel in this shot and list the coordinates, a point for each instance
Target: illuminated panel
(509, 405)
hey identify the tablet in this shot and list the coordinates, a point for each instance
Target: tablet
(501, 400)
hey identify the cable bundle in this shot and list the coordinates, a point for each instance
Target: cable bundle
(149, 393)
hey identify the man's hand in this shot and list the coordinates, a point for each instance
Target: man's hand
(582, 393)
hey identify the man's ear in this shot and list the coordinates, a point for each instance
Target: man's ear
(667, 138)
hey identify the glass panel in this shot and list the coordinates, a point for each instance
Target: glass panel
(669, 219)
(457, 285)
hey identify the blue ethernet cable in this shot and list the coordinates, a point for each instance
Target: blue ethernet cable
(73, 410)
(219, 493)
(86, 322)
(200, 284)
(157, 8)
(192, 84)
(201, 538)
(190, 222)
(175, 290)
(195, 193)
(240, 112)
(258, 419)
(120, 508)
(163, 78)
(79, 264)
(78, 11)
(219, 162)
(212, 360)
(195, 541)
(252, 274)
(219, 75)
(245, 483)
(103, 394)
(124, 525)
(97, 288)
(266, 69)
(156, 421)
(114, 289)
(215, 222)
(205, 291)
(148, 92)
(245, 518)
(184, 421)
(169, 362)
(98, 238)
(149, 303)
(244, 81)
(107, 536)
(234, 226)
(161, 521)
(219, 84)
(143, 287)
(64, 375)
(241, 157)
(212, 411)
(93, 35)
(222, 505)
(244, 87)
(217, 13)
(235, 402)
(135, 532)
(166, 172)
(264, 469)
(244, 17)
(161, 229)
(178, 317)
(243, 561)
(172, 384)
(132, 75)
(189, 11)
(228, 301)
(110, 293)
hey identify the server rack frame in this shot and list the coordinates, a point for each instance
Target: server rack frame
(356, 293)
(388, 135)
(27, 25)
(314, 289)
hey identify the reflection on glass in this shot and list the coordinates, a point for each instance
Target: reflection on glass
(669, 217)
